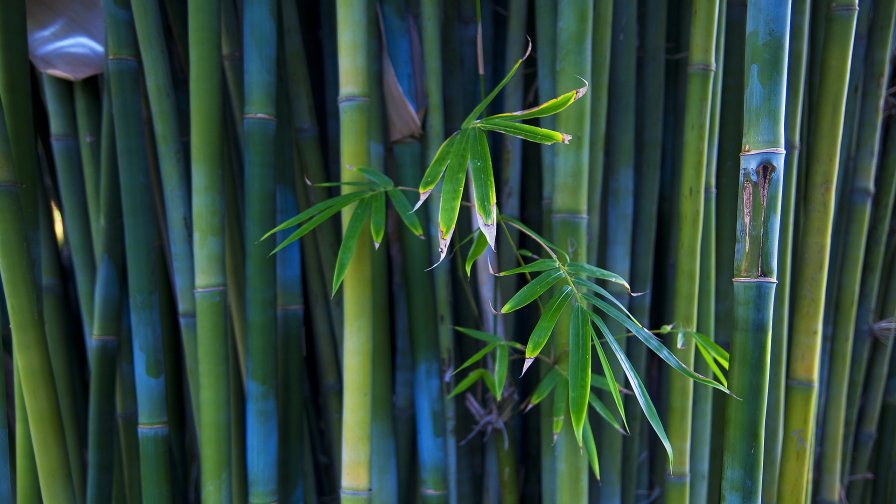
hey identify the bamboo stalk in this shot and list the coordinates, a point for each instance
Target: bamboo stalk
(126, 409)
(701, 67)
(802, 369)
(142, 255)
(26, 478)
(260, 27)
(856, 223)
(756, 250)
(208, 274)
(569, 222)
(358, 316)
(7, 456)
(88, 117)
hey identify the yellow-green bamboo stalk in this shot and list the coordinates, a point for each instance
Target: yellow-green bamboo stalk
(812, 259)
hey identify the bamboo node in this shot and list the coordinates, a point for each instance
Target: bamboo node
(701, 67)
(265, 117)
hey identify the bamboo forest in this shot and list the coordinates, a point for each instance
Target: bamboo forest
(447, 251)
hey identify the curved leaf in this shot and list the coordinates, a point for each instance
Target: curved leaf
(501, 362)
(377, 217)
(481, 336)
(349, 241)
(476, 357)
(491, 96)
(338, 202)
(548, 320)
(545, 386)
(532, 267)
(452, 192)
(612, 386)
(377, 177)
(404, 210)
(591, 451)
(595, 272)
(605, 412)
(532, 290)
(579, 369)
(524, 131)
(545, 109)
(479, 245)
(472, 378)
(483, 182)
(437, 167)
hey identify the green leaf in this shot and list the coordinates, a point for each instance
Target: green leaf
(532, 290)
(377, 217)
(483, 181)
(599, 382)
(481, 336)
(544, 388)
(547, 108)
(595, 272)
(605, 412)
(547, 245)
(653, 343)
(314, 222)
(472, 378)
(710, 361)
(612, 385)
(476, 357)
(525, 131)
(579, 369)
(452, 193)
(501, 364)
(713, 348)
(546, 323)
(491, 96)
(403, 209)
(637, 385)
(437, 167)
(532, 267)
(559, 410)
(377, 177)
(591, 451)
(349, 241)
(588, 284)
(477, 249)
(338, 202)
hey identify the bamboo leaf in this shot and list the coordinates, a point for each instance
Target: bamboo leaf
(653, 343)
(532, 290)
(377, 217)
(548, 320)
(337, 203)
(377, 177)
(637, 386)
(559, 407)
(579, 369)
(477, 249)
(310, 225)
(545, 386)
(481, 336)
(547, 108)
(472, 378)
(437, 167)
(525, 131)
(587, 284)
(718, 353)
(501, 363)
(612, 385)
(403, 209)
(491, 96)
(551, 249)
(452, 193)
(605, 412)
(711, 362)
(532, 267)
(591, 450)
(349, 241)
(476, 357)
(595, 272)
(599, 382)
(483, 181)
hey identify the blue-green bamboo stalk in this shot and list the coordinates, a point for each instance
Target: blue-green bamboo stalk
(260, 27)
(88, 117)
(208, 275)
(141, 252)
(126, 409)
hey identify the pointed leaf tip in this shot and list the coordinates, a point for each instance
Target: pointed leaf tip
(423, 196)
(566, 138)
(526, 364)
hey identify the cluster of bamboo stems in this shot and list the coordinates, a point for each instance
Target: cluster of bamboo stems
(157, 351)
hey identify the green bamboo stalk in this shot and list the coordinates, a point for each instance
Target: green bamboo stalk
(27, 485)
(7, 457)
(856, 224)
(434, 132)
(569, 221)
(259, 128)
(290, 329)
(702, 427)
(601, 50)
(235, 253)
(802, 369)
(30, 349)
(141, 252)
(232, 62)
(238, 477)
(87, 116)
(755, 267)
(210, 280)
(886, 445)
(649, 146)
(619, 197)
(126, 409)
(106, 324)
(701, 67)
(173, 170)
(793, 108)
(861, 428)
(351, 21)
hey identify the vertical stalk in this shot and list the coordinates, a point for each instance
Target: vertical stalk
(569, 215)
(701, 68)
(141, 252)
(209, 278)
(756, 248)
(812, 263)
(27, 485)
(351, 23)
(88, 116)
(259, 128)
